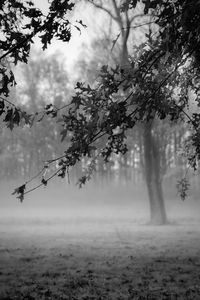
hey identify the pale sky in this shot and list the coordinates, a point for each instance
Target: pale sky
(95, 19)
(71, 50)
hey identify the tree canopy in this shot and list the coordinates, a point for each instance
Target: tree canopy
(154, 85)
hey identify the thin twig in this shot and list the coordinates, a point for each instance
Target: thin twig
(50, 161)
(35, 176)
(4, 99)
(41, 184)
(64, 106)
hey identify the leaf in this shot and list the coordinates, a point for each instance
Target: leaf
(43, 181)
(21, 197)
(20, 189)
(9, 119)
(63, 134)
(62, 172)
(77, 28)
(82, 181)
(9, 115)
(2, 105)
(28, 119)
(16, 117)
(81, 23)
(20, 192)
(183, 187)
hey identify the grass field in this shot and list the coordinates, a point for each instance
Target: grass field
(105, 250)
(98, 259)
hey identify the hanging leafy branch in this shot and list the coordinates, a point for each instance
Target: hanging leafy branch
(155, 85)
(20, 23)
(104, 111)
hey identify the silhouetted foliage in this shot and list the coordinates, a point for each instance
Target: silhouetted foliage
(156, 82)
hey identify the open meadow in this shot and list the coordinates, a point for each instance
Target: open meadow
(102, 252)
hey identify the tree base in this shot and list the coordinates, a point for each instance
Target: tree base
(158, 223)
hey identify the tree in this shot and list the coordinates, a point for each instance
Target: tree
(124, 21)
(43, 78)
(102, 111)
(20, 23)
(25, 149)
(150, 149)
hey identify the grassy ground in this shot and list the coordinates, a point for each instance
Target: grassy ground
(98, 258)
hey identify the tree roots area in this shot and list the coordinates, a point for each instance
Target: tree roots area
(76, 259)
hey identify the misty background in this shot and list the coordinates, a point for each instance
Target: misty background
(117, 189)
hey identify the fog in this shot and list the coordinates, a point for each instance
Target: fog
(68, 243)
(111, 201)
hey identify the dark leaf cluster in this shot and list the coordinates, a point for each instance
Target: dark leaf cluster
(182, 188)
(20, 192)
(14, 116)
(155, 85)
(20, 21)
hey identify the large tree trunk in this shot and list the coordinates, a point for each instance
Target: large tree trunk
(153, 176)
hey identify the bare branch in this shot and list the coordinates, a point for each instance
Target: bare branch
(103, 8)
(140, 25)
(41, 184)
(137, 16)
(36, 176)
(117, 11)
